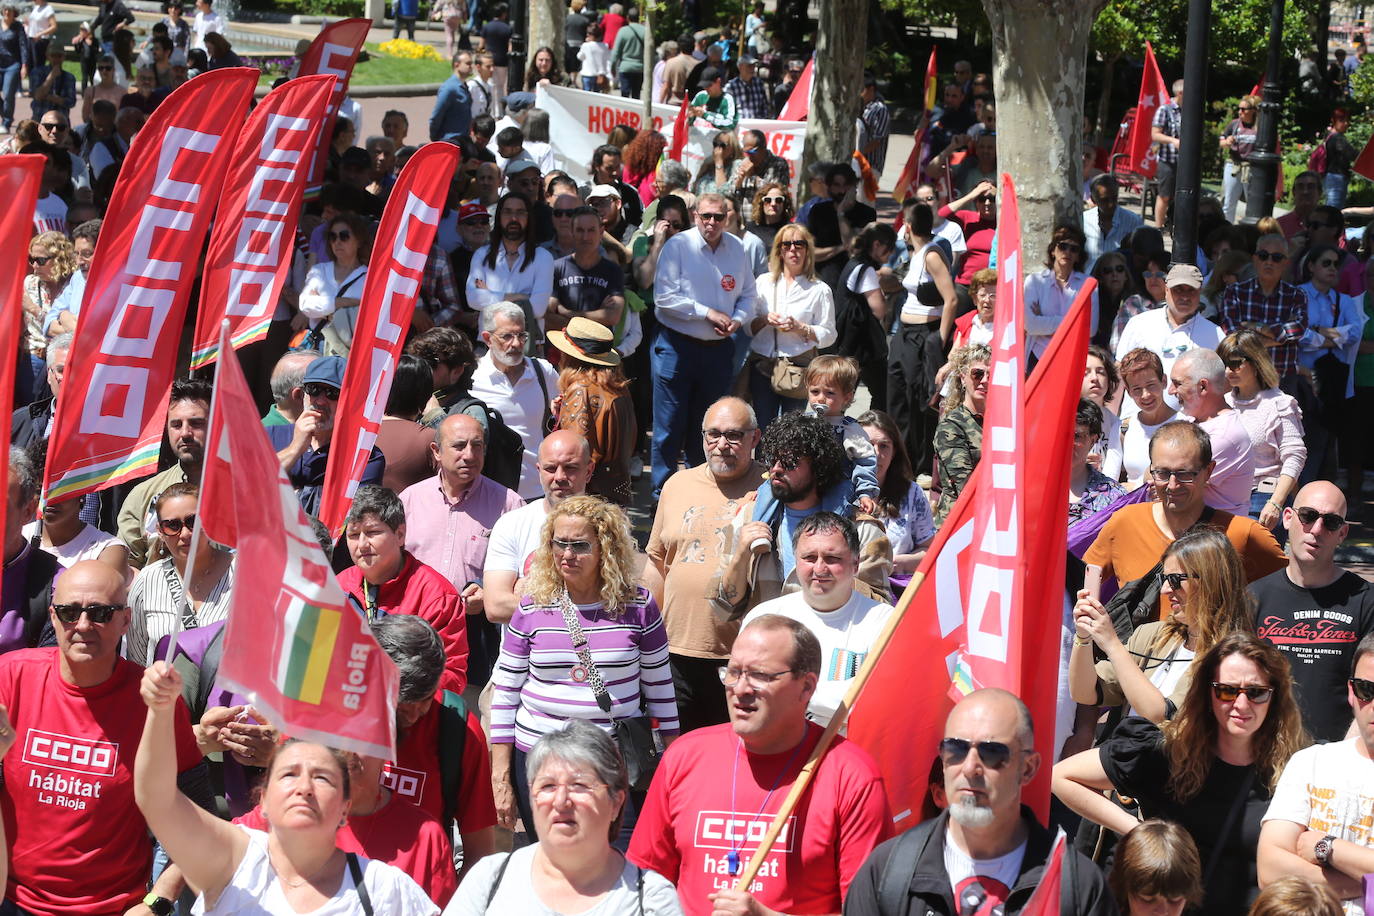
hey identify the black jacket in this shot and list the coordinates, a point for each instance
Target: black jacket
(929, 893)
(29, 424)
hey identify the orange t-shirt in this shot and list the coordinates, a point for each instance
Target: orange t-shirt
(1130, 545)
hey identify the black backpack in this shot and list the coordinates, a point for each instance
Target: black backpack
(858, 333)
(453, 736)
(505, 448)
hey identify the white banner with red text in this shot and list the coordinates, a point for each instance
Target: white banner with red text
(108, 425)
(581, 121)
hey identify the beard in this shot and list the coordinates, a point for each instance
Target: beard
(968, 813)
(513, 232)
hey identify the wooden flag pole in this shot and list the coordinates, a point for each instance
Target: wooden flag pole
(828, 736)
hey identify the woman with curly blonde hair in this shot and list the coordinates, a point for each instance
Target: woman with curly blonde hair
(1212, 768)
(587, 642)
(52, 261)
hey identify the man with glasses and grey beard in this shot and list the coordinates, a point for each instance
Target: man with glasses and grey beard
(986, 853)
(692, 532)
(1315, 612)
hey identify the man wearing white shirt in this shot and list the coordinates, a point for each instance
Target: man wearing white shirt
(512, 267)
(565, 467)
(704, 292)
(845, 622)
(1105, 224)
(1171, 331)
(205, 22)
(520, 389)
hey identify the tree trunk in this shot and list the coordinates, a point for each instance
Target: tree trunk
(1040, 53)
(1104, 104)
(841, 44)
(546, 19)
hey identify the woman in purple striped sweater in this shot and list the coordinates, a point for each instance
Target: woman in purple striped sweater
(580, 590)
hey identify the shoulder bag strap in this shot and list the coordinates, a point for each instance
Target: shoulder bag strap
(894, 881)
(1237, 806)
(639, 888)
(584, 655)
(357, 872)
(544, 389)
(496, 883)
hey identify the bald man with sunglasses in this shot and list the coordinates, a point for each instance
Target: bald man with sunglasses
(1315, 612)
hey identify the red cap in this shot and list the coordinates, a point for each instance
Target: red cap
(471, 209)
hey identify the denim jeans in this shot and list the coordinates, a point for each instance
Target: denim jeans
(768, 404)
(1336, 186)
(689, 376)
(589, 84)
(9, 89)
(631, 83)
(1232, 190)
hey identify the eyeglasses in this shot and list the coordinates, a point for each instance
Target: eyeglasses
(793, 243)
(1326, 262)
(1153, 274)
(1247, 108)
(733, 436)
(1162, 475)
(1271, 256)
(546, 792)
(1330, 520)
(1228, 693)
(758, 680)
(775, 200)
(993, 754)
(786, 462)
(578, 548)
(321, 390)
(174, 526)
(1236, 363)
(39, 260)
(564, 211)
(96, 613)
(1364, 690)
(105, 67)
(1070, 247)
(1177, 579)
(711, 217)
(511, 337)
(977, 374)
(342, 235)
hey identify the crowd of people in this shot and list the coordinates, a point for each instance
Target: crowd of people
(796, 389)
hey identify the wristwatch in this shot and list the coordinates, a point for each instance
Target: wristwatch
(1322, 851)
(159, 905)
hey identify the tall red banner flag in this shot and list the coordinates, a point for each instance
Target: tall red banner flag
(1153, 96)
(252, 242)
(19, 178)
(404, 238)
(334, 51)
(108, 425)
(900, 716)
(799, 102)
(910, 178)
(297, 649)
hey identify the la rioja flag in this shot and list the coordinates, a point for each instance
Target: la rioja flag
(1154, 95)
(976, 605)
(294, 645)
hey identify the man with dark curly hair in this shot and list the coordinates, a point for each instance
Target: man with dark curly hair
(803, 461)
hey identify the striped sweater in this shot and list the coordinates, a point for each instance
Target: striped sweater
(533, 687)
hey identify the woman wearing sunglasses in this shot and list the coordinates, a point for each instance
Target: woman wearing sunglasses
(772, 209)
(1212, 768)
(1117, 299)
(959, 434)
(157, 599)
(1273, 420)
(720, 170)
(587, 642)
(1203, 585)
(1052, 292)
(329, 301)
(794, 316)
(1329, 347)
(52, 261)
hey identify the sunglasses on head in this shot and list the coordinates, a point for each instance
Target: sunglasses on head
(1364, 690)
(993, 754)
(321, 390)
(342, 235)
(1330, 520)
(174, 526)
(1228, 693)
(1271, 256)
(96, 613)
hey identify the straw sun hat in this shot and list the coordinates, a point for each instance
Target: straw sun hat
(588, 341)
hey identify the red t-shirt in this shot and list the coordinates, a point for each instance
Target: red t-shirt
(399, 834)
(701, 806)
(415, 775)
(979, 235)
(78, 844)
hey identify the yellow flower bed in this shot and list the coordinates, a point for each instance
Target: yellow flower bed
(410, 50)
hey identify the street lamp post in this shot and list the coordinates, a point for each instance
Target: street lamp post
(1188, 177)
(1264, 159)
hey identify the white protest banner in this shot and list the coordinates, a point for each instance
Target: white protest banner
(581, 121)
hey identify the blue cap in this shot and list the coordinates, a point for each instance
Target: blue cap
(328, 370)
(519, 101)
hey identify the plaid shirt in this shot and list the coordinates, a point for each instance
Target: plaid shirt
(876, 124)
(1281, 315)
(1169, 119)
(438, 289)
(751, 98)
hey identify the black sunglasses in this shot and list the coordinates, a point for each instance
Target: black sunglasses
(792, 243)
(1175, 580)
(993, 754)
(1271, 256)
(720, 144)
(1227, 693)
(1070, 247)
(174, 526)
(321, 390)
(39, 260)
(1330, 520)
(712, 217)
(1236, 363)
(97, 613)
(565, 211)
(342, 235)
(977, 374)
(1364, 690)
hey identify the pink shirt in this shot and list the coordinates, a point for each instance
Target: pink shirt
(452, 536)
(1233, 478)
(1275, 425)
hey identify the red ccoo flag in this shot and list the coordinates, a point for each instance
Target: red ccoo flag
(799, 102)
(1154, 95)
(1048, 896)
(910, 178)
(334, 51)
(404, 239)
(251, 244)
(1364, 163)
(682, 126)
(298, 649)
(899, 718)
